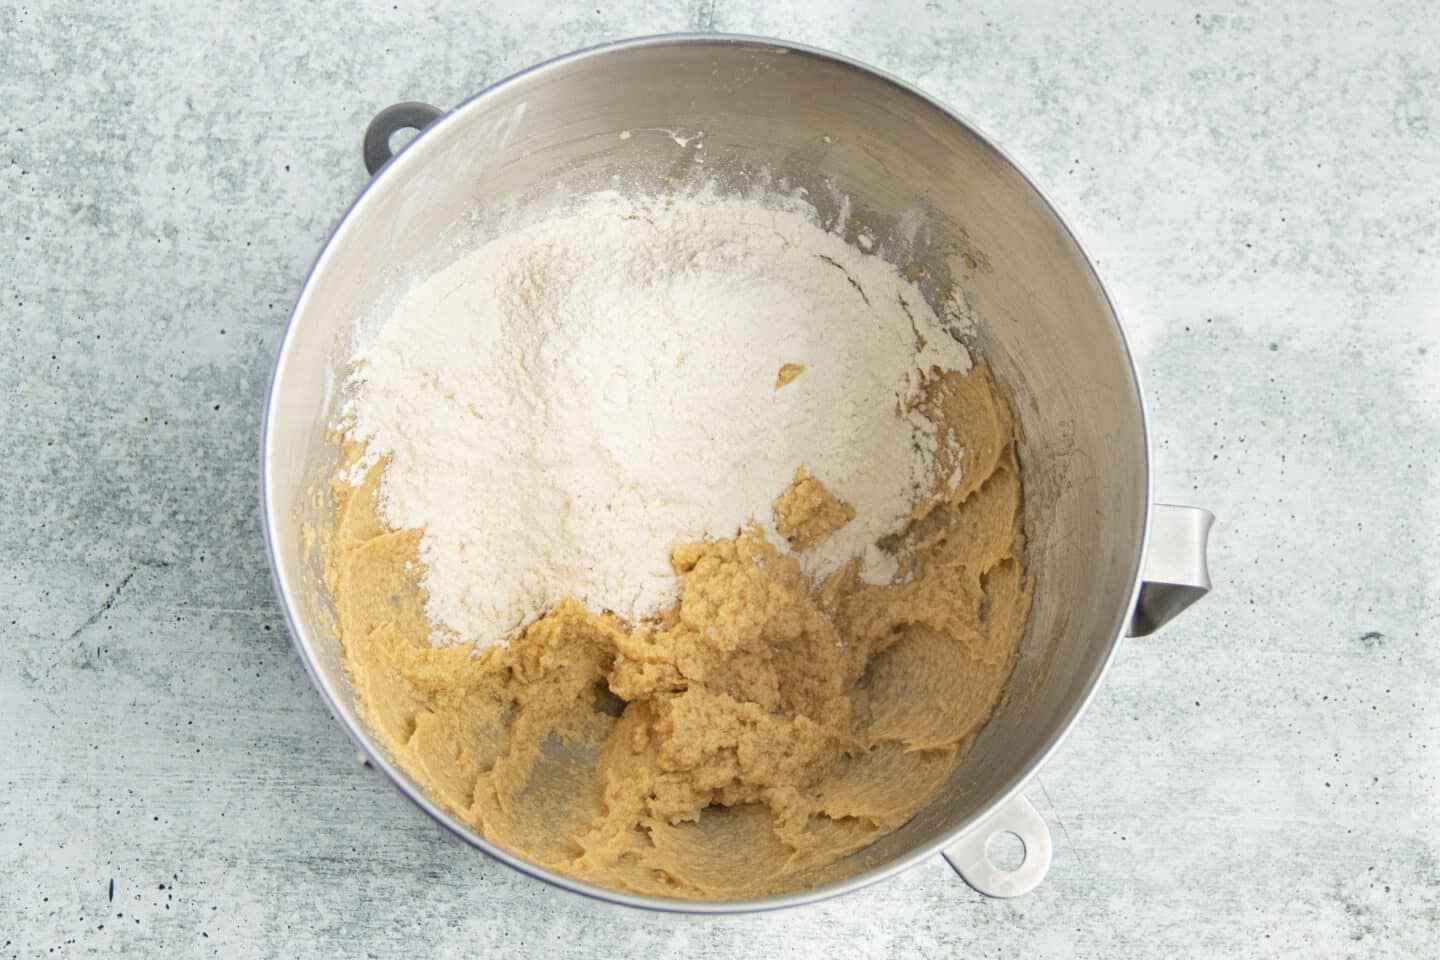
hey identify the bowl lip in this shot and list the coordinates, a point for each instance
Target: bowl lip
(413, 155)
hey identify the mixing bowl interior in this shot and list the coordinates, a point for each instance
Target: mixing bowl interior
(873, 156)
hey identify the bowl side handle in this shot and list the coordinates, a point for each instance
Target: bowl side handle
(410, 115)
(1176, 571)
(970, 858)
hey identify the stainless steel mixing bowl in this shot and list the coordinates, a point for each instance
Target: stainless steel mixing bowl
(873, 155)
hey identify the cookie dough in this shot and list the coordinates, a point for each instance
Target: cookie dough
(807, 513)
(788, 373)
(755, 738)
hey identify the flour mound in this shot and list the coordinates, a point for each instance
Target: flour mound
(564, 405)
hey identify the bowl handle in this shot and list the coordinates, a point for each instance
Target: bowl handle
(969, 856)
(410, 115)
(1176, 572)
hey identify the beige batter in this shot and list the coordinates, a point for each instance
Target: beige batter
(753, 736)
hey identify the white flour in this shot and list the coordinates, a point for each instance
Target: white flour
(565, 404)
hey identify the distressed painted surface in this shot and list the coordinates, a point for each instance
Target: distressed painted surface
(1259, 182)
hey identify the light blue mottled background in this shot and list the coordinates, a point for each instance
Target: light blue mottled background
(1258, 183)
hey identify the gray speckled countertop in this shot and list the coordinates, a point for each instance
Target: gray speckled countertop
(1260, 184)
